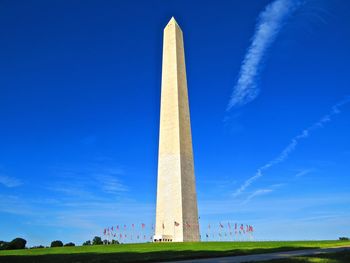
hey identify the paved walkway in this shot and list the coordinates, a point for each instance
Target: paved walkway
(268, 256)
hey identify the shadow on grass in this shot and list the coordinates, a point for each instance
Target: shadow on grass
(338, 257)
(341, 257)
(138, 256)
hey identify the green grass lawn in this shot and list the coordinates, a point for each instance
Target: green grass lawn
(156, 251)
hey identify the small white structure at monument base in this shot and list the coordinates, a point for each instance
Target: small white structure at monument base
(162, 238)
(176, 212)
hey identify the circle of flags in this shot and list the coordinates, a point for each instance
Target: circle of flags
(139, 233)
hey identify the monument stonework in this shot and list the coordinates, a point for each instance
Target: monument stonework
(176, 211)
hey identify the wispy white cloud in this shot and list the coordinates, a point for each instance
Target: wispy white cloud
(84, 218)
(111, 184)
(268, 26)
(263, 191)
(258, 193)
(84, 182)
(287, 203)
(303, 172)
(10, 182)
(293, 144)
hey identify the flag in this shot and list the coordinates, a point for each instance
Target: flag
(221, 225)
(176, 223)
(118, 227)
(209, 226)
(112, 228)
(124, 226)
(229, 226)
(235, 226)
(132, 225)
(121, 236)
(242, 227)
(143, 225)
(163, 226)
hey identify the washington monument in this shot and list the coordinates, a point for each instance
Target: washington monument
(176, 212)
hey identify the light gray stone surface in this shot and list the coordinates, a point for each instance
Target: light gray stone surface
(176, 191)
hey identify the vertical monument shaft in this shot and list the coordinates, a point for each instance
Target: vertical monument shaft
(176, 212)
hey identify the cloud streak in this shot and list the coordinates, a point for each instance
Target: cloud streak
(269, 24)
(257, 193)
(111, 184)
(293, 144)
(303, 172)
(9, 182)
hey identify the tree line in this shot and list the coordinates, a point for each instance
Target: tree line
(20, 243)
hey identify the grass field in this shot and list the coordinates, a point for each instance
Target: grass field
(157, 252)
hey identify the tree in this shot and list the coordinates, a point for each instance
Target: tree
(57, 243)
(70, 244)
(114, 242)
(17, 243)
(87, 243)
(97, 241)
(3, 245)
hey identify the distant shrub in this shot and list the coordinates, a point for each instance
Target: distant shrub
(17, 243)
(105, 242)
(97, 241)
(70, 244)
(3, 245)
(87, 243)
(34, 247)
(344, 238)
(57, 243)
(114, 242)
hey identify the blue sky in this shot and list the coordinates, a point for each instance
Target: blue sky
(79, 111)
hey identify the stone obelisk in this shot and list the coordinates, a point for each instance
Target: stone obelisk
(176, 212)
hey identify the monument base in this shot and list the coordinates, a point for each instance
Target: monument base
(162, 238)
